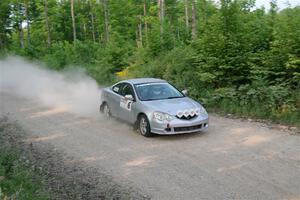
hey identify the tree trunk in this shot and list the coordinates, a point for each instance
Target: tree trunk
(92, 21)
(28, 22)
(106, 31)
(140, 31)
(21, 36)
(194, 32)
(158, 9)
(186, 11)
(73, 20)
(203, 10)
(162, 9)
(20, 28)
(47, 23)
(84, 30)
(161, 14)
(93, 27)
(145, 21)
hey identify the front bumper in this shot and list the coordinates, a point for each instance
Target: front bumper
(179, 126)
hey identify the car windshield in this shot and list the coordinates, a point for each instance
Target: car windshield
(157, 91)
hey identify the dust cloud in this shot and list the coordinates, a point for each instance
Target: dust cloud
(71, 90)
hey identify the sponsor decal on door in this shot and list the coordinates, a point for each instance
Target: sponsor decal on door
(126, 104)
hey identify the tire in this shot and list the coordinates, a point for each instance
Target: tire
(106, 111)
(143, 126)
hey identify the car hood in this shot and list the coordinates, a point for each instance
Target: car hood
(171, 106)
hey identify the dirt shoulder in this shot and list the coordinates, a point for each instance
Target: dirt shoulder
(65, 178)
(293, 130)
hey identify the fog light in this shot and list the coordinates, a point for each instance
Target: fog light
(168, 128)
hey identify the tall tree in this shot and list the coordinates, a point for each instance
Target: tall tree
(92, 21)
(47, 23)
(21, 34)
(27, 21)
(186, 12)
(161, 14)
(106, 31)
(139, 32)
(20, 23)
(145, 20)
(5, 22)
(73, 20)
(194, 31)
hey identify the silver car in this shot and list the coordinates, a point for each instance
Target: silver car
(153, 106)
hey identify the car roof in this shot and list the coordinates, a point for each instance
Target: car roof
(143, 80)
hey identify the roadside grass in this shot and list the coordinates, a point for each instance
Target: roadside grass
(17, 178)
(256, 111)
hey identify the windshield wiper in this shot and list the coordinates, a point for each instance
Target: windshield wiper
(175, 97)
(150, 99)
(153, 99)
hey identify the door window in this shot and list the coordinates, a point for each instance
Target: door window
(117, 88)
(127, 90)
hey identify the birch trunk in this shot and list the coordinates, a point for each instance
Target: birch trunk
(140, 32)
(161, 14)
(106, 31)
(47, 23)
(19, 23)
(28, 22)
(145, 20)
(73, 20)
(186, 11)
(93, 27)
(194, 32)
(21, 35)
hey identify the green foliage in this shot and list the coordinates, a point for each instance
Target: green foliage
(250, 100)
(244, 60)
(16, 180)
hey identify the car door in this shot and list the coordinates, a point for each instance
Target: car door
(115, 98)
(127, 105)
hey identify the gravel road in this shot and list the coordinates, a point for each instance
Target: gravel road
(234, 159)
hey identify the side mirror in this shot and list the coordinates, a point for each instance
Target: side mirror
(129, 97)
(185, 92)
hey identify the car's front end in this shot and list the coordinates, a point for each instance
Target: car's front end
(182, 115)
(179, 126)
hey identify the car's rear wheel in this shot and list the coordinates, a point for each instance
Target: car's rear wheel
(144, 126)
(106, 111)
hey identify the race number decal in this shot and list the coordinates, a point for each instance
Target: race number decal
(126, 104)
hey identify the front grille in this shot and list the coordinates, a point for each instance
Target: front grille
(187, 128)
(187, 118)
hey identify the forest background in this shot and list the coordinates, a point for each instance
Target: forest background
(231, 56)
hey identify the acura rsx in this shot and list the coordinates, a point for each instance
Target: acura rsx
(153, 106)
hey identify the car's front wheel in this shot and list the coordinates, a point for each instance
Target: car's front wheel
(144, 126)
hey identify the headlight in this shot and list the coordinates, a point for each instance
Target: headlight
(202, 110)
(159, 116)
(168, 117)
(162, 116)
